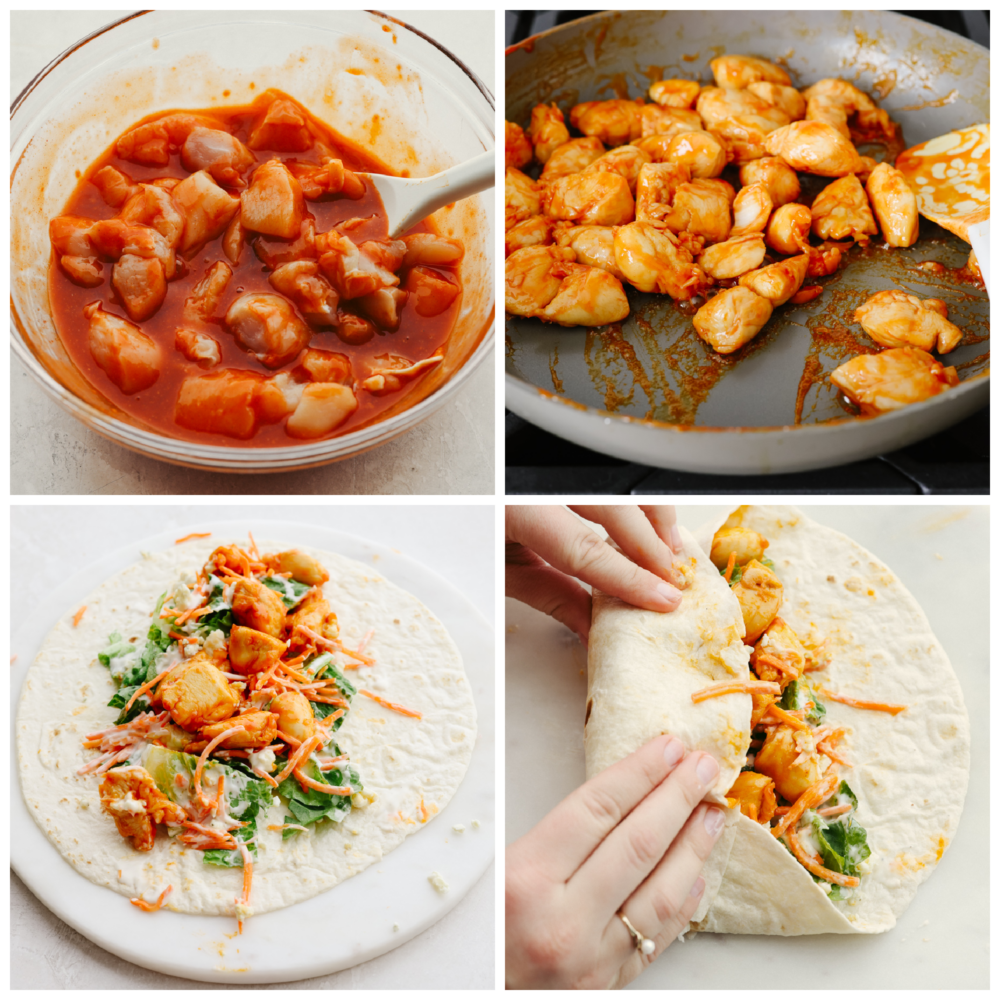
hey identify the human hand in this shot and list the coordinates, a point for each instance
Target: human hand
(633, 839)
(548, 549)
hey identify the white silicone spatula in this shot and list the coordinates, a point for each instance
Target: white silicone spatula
(950, 176)
(407, 200)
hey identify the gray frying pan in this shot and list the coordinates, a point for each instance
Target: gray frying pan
(648, 389)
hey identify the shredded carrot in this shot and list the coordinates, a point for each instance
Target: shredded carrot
(152, 907)
(730, 566)
(814, 795)
(290, 740)
(874, 706)
(331, 718)
(364, 641)
(812, 864)
(786, 717)
(78, 616)
(300, 755)
(247, 877)
(254, 551)
(204, 757)
(288, 826)
(736, 687)
(146, 687)
(391, 704)
(265, 776)
(195, 534)
(306, 782)
(423, 812)
(769, 660)
(179, 636)
(335, 644)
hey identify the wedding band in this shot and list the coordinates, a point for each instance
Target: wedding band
(643, 944)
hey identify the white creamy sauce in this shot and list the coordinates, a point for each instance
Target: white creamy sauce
(129, 804)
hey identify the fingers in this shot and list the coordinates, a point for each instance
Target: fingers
(630, 527)
(635, 847)
(662, 906)
(569, 834)
(663, 518)
(534, 582)
(570, 546)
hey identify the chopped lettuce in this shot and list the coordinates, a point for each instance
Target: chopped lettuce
(843, 843)
(220, 611)
(309, 805)
(799, 696)
(323, 666)
(290, 591)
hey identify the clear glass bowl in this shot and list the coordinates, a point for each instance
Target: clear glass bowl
(371, 77)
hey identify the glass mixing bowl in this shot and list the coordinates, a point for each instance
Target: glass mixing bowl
(372, 78)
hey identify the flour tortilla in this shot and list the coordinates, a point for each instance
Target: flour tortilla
(910, 771)
(644, 666)
(405, 762)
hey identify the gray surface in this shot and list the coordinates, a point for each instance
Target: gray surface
(51, 453)
(51, 543)
(941, 554)
(758, 385)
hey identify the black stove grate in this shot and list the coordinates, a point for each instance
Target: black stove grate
(956, 460)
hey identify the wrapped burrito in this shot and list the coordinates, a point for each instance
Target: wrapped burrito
(803, 665)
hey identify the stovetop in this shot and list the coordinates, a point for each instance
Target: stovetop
(956, 460)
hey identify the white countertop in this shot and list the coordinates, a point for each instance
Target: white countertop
(941, 554)
(50, 543)
(451, 451)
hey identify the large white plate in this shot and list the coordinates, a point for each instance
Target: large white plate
(942, 940)
(354, 921)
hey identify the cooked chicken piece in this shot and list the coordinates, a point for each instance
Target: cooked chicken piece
(70, 235)
(354, 329)
(273, 204)
(152, 206)
(868, 164)
(789, 757)
(128, 357)
(326, 366)
(823, 260)
(130, 797)
(780, 96)
(601, 199)
(221, 154)
(329, 178)
(394, 372)
(258, 607)
(272, 251)
(593, 246)
(83, 271)
(431, 291)
(759, 592)
(893, 379)
(613, 122)
(744, 136)
(539, 230)
(570, 158)
(841, 210)
(733, 257)
(234, 239)
(668, 121)
(111, 238)
(309, 290)
(206, 208)
(781, 181)
(196, 692)
(658, 183)
(702, 208)
(522, 197)
(295, 716)
(260, 730)
(266, 326)
(751, 210)
(300, 565)
(384, 307)
(788, 228)
(198, 347)
(281, 128)
(754, 794)
(313, 613)
(229, 402)
(653, 260)
(675, 93)
(322, 408)
(703, 153)
(869, 120)
(895, 319)
(517, 147)
(895, 205)
(140, 285)
(822, 109)
(778, 282)
(432, 250)
(625, 161)
(588, 296)
(529, 284)
(200, 306)
(779, 643)
(359, 270)
(814, 148)
(715, 104)
(253, 652)
(547, 131)
(742, 543)
(731, 319)
(116, 187)
(151, 143)
(741, 71)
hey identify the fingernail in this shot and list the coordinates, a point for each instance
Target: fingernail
(673, 752)
(672, 594)
(707, 769)
(676, 542)
(714, 822)
(698, 888)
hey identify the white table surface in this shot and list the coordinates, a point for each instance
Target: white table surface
(51, 543)
(942, 941)
(451, 451)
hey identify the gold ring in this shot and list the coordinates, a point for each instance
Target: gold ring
(643, 944)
